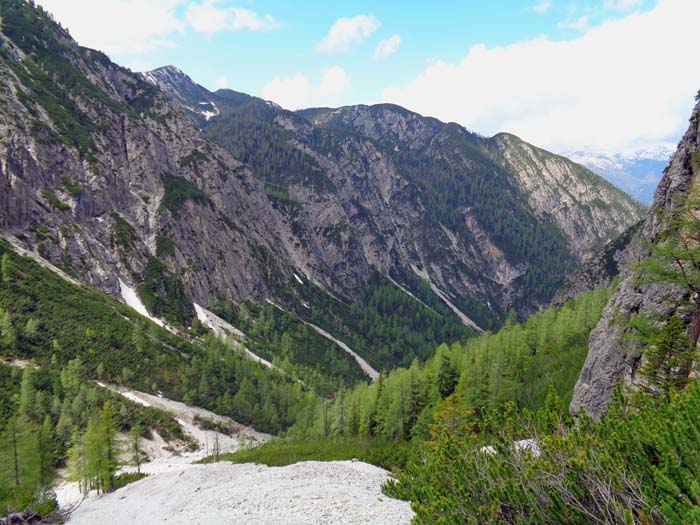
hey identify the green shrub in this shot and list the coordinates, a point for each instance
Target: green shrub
(164, 245)
(177, 191)
(122, 480)
(277, 452)
(73, 189)
(123, 233)
(53, 201)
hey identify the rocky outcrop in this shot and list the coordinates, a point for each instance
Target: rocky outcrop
(588, 210)
(613, 359)
(604, 266)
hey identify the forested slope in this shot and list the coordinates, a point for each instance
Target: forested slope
(517, 364)
(50, 320)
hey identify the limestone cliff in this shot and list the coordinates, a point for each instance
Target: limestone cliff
(611, 358)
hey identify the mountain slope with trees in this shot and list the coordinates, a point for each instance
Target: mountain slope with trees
(106, 174)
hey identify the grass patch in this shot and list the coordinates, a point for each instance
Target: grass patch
(164, 245)
(123, 233)
(122, 480)
(192, 159)
(388, 454)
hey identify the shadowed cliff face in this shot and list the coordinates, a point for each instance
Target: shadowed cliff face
(192, 196)
(611, 358)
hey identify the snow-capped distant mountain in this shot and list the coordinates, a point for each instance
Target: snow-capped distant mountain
(638, 173)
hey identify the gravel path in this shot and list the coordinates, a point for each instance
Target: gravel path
(338, 492)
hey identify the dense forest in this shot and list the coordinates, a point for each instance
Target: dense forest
(385, 325)
(517, 364)
(74, 334)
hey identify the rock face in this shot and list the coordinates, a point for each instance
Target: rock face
(393, 191)
(611, 359)
(191, 196)
(604, 266)
(588, 210)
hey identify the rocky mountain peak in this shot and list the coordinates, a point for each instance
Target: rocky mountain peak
(179, 86)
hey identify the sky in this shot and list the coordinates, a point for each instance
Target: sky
(605, 75)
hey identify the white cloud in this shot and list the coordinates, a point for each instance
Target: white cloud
(347, 32)
(580, 24)
(335, 82)
(209, 17)
(140, 65)
(387, 47)
(119, 26)
(124, 27)
(624, 84)
(541, 7)
(297, 91)
(622, 5)
(221, 83)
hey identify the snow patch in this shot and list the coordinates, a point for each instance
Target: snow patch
(132, 299)
(298, 279)
(210, 114)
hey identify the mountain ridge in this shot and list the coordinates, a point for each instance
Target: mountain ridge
(110, 177)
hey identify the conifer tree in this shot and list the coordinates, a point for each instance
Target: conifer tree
(27, 392)
(447, 377)
(134, 447)
(7, 270)
(675, 260)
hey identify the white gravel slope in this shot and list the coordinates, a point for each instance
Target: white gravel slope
(309, 493)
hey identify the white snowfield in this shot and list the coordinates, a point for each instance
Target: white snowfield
(310, 493)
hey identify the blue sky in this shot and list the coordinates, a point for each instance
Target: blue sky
(457, 60)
